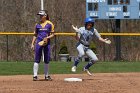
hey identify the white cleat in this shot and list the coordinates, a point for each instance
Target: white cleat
(87, 71)
(73, 69)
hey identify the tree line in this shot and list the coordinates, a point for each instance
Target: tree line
(20, 16)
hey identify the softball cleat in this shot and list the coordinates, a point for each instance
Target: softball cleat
(88, 72)
(73, 69)
(35, 78)
(48, 78)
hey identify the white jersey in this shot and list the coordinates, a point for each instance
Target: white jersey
(87, 35)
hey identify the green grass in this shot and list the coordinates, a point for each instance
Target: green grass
(26, 68)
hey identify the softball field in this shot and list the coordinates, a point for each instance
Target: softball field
(98, 83)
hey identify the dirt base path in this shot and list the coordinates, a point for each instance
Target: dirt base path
(98, 83)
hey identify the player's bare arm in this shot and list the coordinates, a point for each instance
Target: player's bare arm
(107, 41)
(50, 36)
(33, 41)
(45, 40)
(77, 32)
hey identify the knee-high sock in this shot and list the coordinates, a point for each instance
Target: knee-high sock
(35, 69)
(89, 65)
(77, 60)
(46, 69)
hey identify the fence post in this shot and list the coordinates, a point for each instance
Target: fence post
(104, 49)
(55, 47)
(7, 47)
(118, 41)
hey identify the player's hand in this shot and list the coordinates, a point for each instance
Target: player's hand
(75, 28)
(45, 39)
(32, 47)
(107, 41)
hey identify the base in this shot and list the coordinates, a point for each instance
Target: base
(72, 79)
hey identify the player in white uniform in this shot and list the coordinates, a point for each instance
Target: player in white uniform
(85, 35)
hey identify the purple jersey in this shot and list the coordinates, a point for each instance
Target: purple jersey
(43, 32)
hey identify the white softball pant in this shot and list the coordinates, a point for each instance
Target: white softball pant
(82, 50)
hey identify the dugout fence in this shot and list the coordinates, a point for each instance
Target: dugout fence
(16, 46)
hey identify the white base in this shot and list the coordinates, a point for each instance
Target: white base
(72, 79)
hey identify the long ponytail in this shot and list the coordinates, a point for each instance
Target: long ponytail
(47, 17)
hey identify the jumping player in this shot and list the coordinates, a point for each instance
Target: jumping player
(84, 35)
(41, 42)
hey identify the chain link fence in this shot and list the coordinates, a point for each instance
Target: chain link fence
(17, 48)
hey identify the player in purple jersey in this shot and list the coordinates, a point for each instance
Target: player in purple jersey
(43, 31)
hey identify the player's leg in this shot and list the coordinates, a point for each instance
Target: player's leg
(38, 54)
(93, 58)
(81, 53)
(46, 62)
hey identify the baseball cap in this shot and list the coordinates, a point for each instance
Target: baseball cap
(42, 12)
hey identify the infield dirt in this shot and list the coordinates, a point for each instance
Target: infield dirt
(98, 83)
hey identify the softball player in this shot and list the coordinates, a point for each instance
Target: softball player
(41, 42)
(85, 35)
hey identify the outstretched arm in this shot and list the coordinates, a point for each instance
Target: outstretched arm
(77, 32)
(107, 41)
(75, 28)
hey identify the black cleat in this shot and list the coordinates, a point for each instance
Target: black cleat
(35, 78)
(48, 78)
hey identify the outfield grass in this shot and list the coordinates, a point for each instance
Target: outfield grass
(25, 68)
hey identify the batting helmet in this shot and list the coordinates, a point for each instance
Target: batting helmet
(89, 20)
